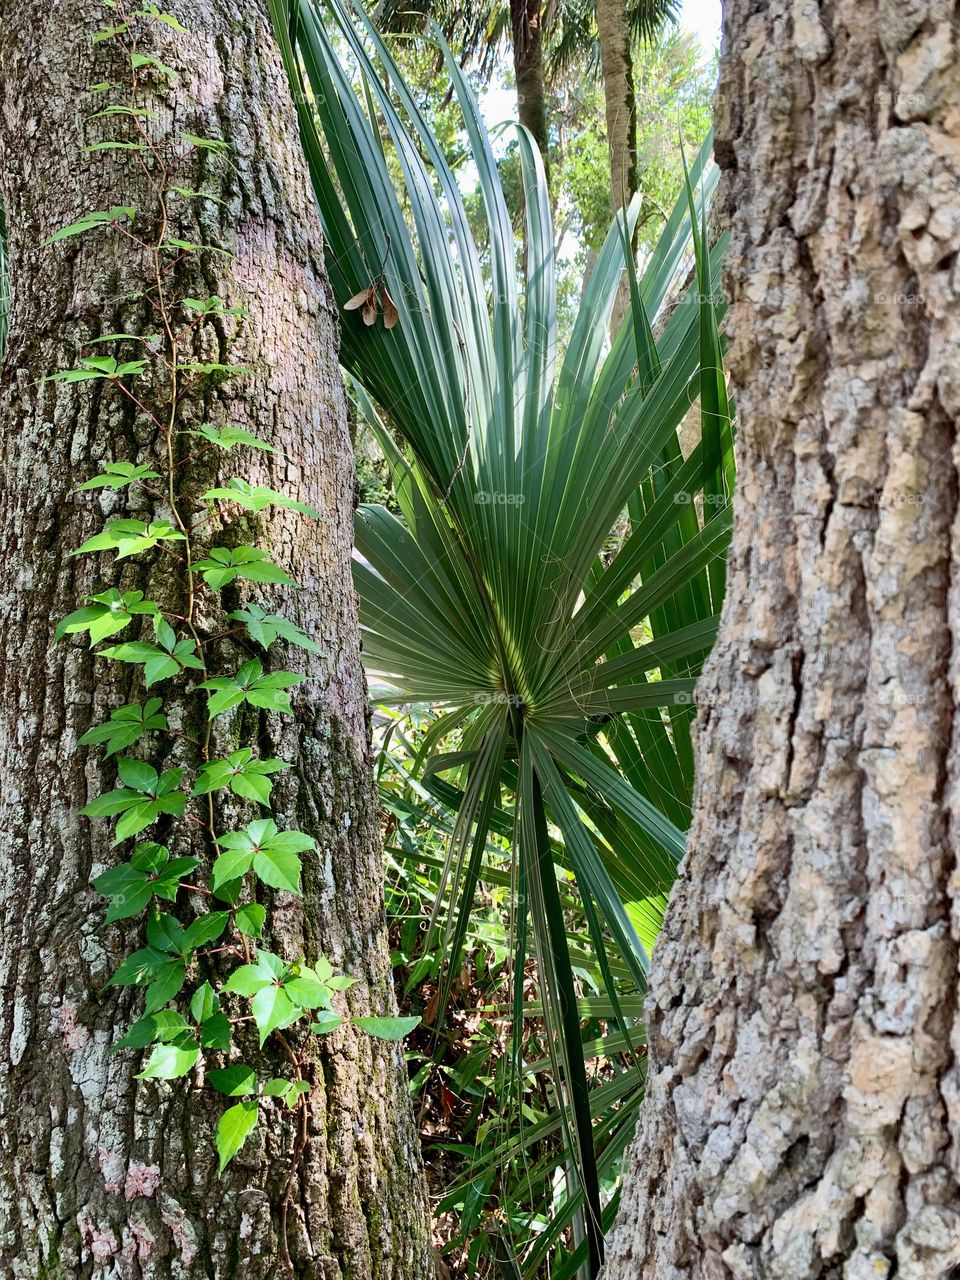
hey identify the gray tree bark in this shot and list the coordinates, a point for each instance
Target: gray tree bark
(803, 1114)
(101, 1175)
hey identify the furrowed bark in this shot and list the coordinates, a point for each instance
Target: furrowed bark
(803, 1115)
(101, 1175)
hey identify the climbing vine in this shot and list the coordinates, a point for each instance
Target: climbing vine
(204, 969)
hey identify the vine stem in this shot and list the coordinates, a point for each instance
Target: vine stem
(303, 1138)
(165, 419)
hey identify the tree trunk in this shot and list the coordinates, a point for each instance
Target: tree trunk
(102, 1175)
(803, 1115)
(613, 31)
(527, 19)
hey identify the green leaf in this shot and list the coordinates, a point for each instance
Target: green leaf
(206, 929)
(140, 60)
(204, 1003)
(230, 865)
(157, 14)
(111, 802)
(272, 1010)
(234, 1128)
(170, 1061)
(129, 900)
(297, 1089)
(228, 437)
(248, 980)
(387, 1028)
(325, 1021)
(341, 982)
(257, 498)
(150, 858)
(140, 816)
(166, 933)
(276, 1088)
(118, 474)
(237, 1081)
(245, 776)
(167, 881)
(272, 964)
(169, 979)
(108, 613)
(288, 1091)
(215, 1032)
(278, 868)
(225, 565)
(250, 919)
(140, 968)
(265, 628)
(108, 33)
(165, 1024)
(90, 221)
(207, 144)
(307, 992)
(212, 306)
(251, 685)
(271, 853)
(138, 774)
(126, 726)
(157, 663)
(129, 537)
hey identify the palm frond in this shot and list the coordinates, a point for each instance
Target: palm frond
(563, 654)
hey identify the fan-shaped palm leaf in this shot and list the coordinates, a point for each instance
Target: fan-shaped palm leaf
(568, 668)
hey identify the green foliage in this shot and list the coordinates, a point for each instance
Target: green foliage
(228, 437)
(108, 612)
(552, 576)
(224, 565)
(202, 964)
(265, 628)
(249, 684)
(258, 498)
(244, 775)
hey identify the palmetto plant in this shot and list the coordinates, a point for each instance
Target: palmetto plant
(553, 580)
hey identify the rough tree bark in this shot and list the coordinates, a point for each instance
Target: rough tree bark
(101, 1175)
(803, 1117)
(526, 17)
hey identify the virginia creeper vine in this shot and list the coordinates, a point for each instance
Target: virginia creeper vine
(198, 967)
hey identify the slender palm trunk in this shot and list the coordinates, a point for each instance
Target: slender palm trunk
(613, 30)
(803, 1115)
(527, 20)
(102, 1175)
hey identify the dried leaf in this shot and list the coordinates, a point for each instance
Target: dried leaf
(369, 311)
(390, 313)
(361, 299)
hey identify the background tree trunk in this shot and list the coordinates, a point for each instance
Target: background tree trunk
(613, 32)
(100, 1174)
(526, 19)
(803, 1115)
